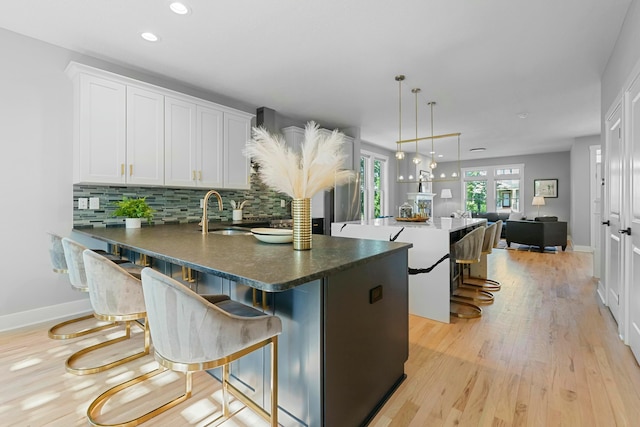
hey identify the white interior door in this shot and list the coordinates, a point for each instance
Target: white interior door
(614, 249)
(595, 186)
(633, 104)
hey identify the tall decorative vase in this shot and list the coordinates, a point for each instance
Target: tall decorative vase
(301, 212)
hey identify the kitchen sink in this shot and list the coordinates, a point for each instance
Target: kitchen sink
(231, 232)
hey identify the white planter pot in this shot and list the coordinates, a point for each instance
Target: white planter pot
(133, 222)
(237, 214)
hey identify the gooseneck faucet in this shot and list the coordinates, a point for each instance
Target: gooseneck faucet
(205, 221)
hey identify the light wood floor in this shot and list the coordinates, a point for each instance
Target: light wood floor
(546, 353)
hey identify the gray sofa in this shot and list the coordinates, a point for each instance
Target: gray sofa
(541, 232)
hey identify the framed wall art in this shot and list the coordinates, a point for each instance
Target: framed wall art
(545, 187)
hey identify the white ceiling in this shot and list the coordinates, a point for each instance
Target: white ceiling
(334, 61)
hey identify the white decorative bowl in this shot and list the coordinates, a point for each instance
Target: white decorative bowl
(273, 235)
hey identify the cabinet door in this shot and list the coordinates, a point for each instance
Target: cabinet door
(145, 137)
(180, 144)
(237, 131)
(210, 147)
(100, 143)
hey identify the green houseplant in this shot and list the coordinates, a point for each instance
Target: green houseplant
(135, 209)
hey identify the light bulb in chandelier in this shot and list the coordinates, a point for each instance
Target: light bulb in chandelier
(417, 160)
(399, 155)
(433, 164)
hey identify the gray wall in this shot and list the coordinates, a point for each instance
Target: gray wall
(624, 57)
(581, 191)
(536, 166)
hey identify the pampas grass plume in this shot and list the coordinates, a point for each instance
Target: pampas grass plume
(318, 167)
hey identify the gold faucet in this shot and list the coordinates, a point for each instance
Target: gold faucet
(205, 221)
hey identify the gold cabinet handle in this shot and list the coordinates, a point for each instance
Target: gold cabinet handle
(131, 169)
(200, 175)
(122, 169)
(193, 175)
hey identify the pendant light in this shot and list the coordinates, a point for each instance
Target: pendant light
(433, 163)
(416, 159)
(399, 152)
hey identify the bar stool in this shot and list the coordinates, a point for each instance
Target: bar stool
(465, 251)
(488, 244)
(78, 283)
(115, 295)
(194, 332)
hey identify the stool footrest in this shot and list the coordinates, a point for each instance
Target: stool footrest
(464, 310)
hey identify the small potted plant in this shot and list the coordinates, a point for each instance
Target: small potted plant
(133, 210)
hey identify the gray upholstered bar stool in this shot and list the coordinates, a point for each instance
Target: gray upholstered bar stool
(465, 251)
(192, 332)
(472, 294)
(59, 264)
(115, 296)
(488, 244)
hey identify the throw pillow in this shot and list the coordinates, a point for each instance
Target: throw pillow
(515, 215)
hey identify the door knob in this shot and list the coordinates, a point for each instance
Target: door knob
(627, 231)
(607, 223)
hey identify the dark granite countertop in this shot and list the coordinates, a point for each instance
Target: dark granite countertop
(242, 258)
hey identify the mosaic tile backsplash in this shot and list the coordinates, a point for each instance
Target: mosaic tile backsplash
(179, 205)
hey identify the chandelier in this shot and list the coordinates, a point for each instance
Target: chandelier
(406, 172)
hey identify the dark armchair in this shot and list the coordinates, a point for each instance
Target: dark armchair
(541, 233)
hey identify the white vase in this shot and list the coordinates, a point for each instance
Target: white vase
(133, 222)
(237, 214)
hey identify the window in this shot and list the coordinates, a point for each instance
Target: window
(373, 185)
(492, 188)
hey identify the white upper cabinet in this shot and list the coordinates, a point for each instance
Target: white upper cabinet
(131, 132)
(210, 146)
(99, 131)
(180, 149)
(237, 131)
(145, 137)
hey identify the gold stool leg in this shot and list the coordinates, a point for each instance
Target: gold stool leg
(274, 381)
(94, 408)
(69, 364)
(225, 390)
(53, 332)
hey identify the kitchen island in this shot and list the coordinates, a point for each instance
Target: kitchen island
(343, 305)
(430, 267)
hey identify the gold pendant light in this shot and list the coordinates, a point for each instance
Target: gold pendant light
(399, 152)
(433, 163)
(404, 164)
(416, 159)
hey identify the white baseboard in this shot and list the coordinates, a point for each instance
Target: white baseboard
(579, 248)
(604, 301)
(44, 314)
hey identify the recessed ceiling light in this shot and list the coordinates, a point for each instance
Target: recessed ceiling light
(150, 37)
(523, 115)
(441, 155)
(179, 8)
(477, 149)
